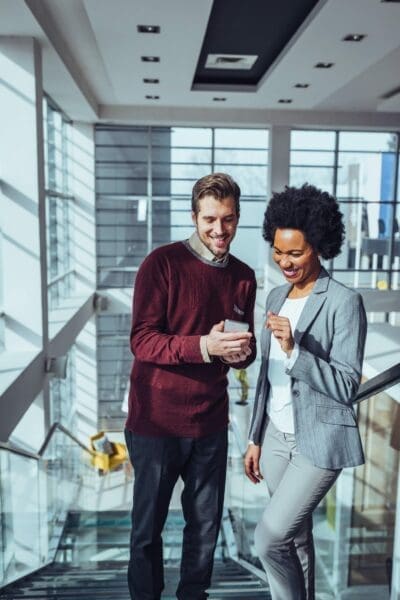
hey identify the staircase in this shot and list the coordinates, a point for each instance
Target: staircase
(91, 564)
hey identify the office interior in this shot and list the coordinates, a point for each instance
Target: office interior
(109, 112)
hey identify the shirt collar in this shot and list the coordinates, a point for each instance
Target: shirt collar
(201, 249)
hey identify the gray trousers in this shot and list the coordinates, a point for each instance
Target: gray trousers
(283, 536)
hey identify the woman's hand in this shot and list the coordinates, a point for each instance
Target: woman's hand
(280, 327)
(252, 463)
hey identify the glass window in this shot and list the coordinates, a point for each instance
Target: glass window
(313, 140)
(241, 138)
(359, 168)
(144, 181)
(312, 159)
(365, 190)
(375, 492)
(2, 313)
(58, 205)
(190, 158)
(63, 400)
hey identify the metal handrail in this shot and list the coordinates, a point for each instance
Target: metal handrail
(38, 455)
(19, 451)
(60, 427)
(369, 388)
(60, 277)
(373, 386)
(379, 383)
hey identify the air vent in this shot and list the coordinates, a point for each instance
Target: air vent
(231, 61)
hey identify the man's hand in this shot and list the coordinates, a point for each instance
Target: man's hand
(232, 347)
(252, 463)
(280, 327)
(237, 357)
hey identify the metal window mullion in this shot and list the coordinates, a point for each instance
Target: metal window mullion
(393, 213)
(334, 185)
(2, 311)
(149, 192)
(212, 149)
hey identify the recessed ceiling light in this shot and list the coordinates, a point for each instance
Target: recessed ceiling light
(152, 97)
(150, 58)
(354, 37)
(324, 65)
(285, 101)
(150, 80)
(218, 99)
(148, 28)
(302, 86)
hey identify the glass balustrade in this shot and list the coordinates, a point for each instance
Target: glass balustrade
(35, 495)
(20, 515)
(353, 526)
(355, 523)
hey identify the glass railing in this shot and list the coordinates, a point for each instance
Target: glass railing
(36, 491)
(20, 499)
(354, 526)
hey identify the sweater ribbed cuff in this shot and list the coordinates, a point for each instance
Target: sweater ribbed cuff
(203, 349)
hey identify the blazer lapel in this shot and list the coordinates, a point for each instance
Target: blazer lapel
(312, 306)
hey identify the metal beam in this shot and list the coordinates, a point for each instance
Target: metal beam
(18, 397)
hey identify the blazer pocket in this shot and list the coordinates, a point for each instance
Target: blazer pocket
(336, 416)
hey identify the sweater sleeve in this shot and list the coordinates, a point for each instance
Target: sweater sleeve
(149, 340)
(249, 318)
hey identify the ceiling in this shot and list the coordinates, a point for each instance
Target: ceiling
(92, 63)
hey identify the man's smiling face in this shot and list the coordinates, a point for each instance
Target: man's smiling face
(216, 222)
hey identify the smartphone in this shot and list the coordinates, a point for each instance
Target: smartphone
(231, 325)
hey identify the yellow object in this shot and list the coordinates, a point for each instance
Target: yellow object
(241, 376)
(330, 503)
(105, 462)
(382, 284)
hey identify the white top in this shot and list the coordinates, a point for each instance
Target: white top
(279, 405)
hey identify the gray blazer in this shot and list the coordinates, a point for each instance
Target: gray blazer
(325, 376)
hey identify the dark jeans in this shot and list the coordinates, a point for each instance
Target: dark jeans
(157, 463)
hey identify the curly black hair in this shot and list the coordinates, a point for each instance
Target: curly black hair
(312, 211)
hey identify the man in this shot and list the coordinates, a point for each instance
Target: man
(178, 404)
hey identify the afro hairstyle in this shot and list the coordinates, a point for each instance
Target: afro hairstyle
(314, 212)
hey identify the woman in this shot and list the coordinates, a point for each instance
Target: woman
(312, 350)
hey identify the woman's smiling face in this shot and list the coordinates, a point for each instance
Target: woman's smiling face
(297, 259)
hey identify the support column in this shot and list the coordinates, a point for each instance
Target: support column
(23, 214)
(279, 159)
(278, 177)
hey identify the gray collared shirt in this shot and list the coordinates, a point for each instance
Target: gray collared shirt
(203, 252)
(201, 249)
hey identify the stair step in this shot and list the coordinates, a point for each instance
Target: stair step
(105, 577)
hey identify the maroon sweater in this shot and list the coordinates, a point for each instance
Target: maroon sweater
(179, 297)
